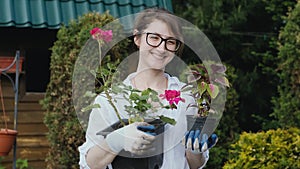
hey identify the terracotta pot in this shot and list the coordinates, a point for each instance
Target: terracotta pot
(7, 138)
(6, 61)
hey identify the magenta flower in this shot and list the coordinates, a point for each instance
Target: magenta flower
(100, 34)
(173, 97)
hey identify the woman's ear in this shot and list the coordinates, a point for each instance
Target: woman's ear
(136, 39)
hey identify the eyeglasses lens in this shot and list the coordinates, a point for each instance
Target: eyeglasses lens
(155, 40)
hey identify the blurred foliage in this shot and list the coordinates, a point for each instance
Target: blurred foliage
(244, 33)
(265, 150)
(228, 128)
(287, 105)
(20, 164)
(1, 167)
(65, 132)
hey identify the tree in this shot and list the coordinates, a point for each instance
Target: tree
(216, 20)
(286, 105)
(65, 132)
(244, 33)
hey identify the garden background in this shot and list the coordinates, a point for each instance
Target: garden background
(257, 40)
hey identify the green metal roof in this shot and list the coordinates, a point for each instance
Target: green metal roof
(52, 13)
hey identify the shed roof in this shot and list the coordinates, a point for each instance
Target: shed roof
(53, 13)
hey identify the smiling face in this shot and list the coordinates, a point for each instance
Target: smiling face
(155, 57)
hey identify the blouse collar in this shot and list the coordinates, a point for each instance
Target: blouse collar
(173, 82)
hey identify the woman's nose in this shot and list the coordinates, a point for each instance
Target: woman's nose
(162, 47)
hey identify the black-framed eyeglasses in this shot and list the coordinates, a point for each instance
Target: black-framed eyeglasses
(154, 40)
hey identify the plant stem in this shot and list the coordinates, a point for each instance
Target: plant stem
(114, 107)
(99, 46)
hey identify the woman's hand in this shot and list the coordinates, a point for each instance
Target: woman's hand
(131, 139)
(195, 147)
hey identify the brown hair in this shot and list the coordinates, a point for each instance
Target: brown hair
(149, 15)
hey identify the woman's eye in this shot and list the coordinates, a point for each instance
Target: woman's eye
(171, 42)
(153, 37)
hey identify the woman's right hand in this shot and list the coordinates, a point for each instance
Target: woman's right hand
(131, 139)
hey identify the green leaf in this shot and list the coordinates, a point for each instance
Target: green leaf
(90, 107)
(105, 72)
(213, 90)
(144, 97)
(167, 120)
(110, 65)
(153, 92)
(223, 81)
(93, 72)
(134, 96)
(202, 87)
(89, 94)
(116, 89)
(154, 98)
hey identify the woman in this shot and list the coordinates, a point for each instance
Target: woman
(157, 34)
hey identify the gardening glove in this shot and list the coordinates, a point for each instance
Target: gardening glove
(147, 129)
(131, 139)
(196, 145)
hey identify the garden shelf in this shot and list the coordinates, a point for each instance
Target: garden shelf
(9, 66)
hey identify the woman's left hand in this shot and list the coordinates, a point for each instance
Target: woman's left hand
(193, 142)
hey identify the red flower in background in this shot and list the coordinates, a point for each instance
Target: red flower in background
(100, 34)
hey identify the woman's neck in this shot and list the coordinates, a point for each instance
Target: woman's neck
(154, 79)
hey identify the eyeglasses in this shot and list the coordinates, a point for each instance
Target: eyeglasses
(154, 40)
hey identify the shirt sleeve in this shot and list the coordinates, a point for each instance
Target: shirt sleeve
(97, 122)
(83, 149)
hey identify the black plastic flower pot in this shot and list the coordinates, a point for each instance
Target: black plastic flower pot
(152, 160)
(195, 123)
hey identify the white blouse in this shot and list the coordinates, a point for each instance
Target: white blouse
(174, 150)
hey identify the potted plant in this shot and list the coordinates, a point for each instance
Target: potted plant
(141, 106)
(204, 89)
(139, 109)
(128, 160)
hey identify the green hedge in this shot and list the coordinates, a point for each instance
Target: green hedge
(287, 109)
(266, 150)
(65, 132)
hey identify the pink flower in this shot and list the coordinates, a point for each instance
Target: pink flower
(100, 34)
(172, 96)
